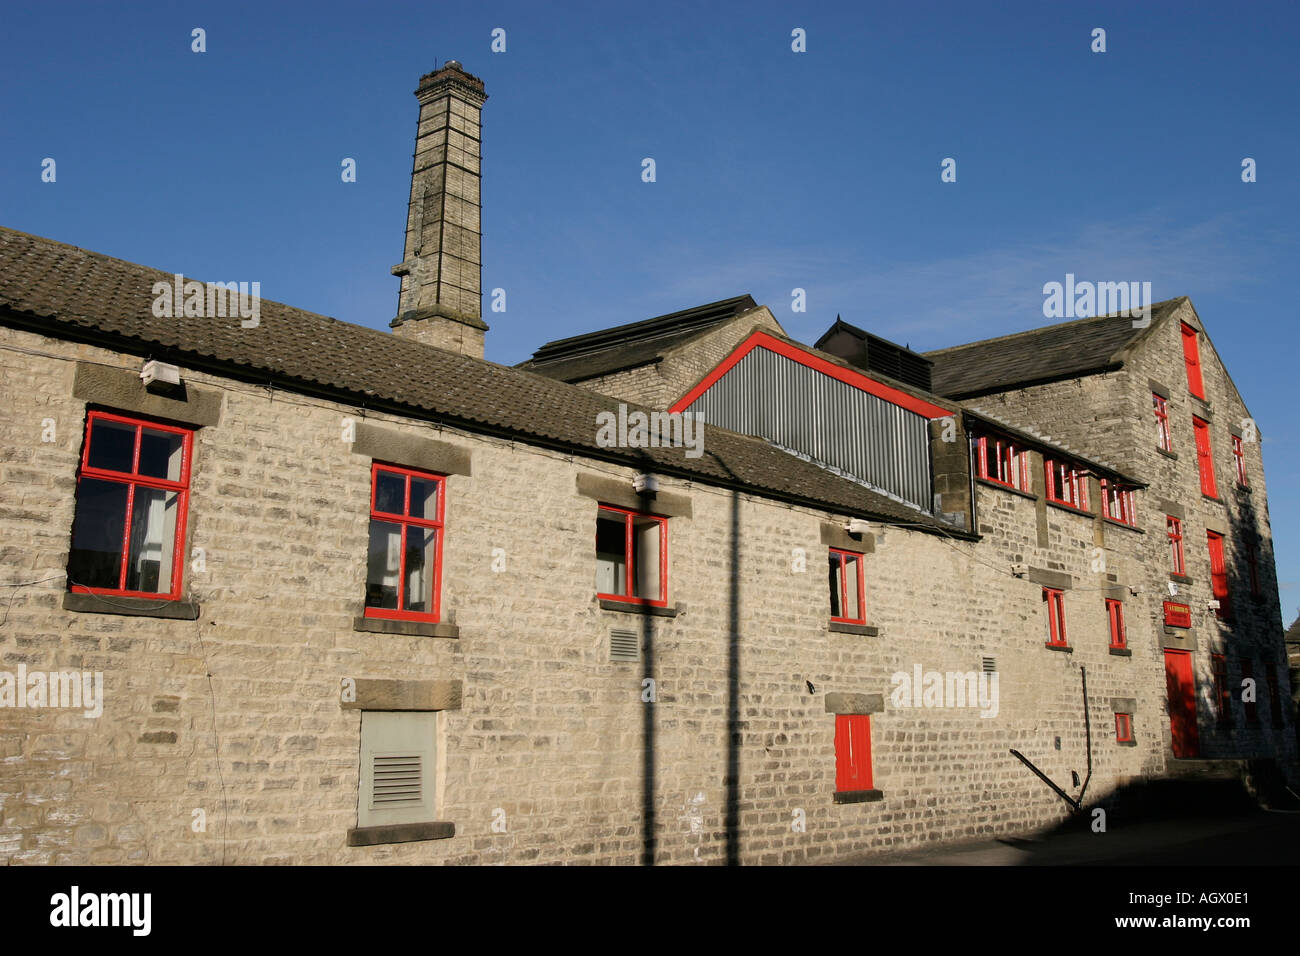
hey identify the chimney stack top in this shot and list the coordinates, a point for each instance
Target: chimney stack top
(453, 74)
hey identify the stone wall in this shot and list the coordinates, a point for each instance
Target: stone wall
(551, 739)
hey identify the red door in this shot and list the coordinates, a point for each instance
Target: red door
(1181, 686)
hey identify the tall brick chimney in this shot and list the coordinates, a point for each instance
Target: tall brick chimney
(440, 299)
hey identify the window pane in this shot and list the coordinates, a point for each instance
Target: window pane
(990, 458)
(611, 553)
(383, 565)
(96, 558)
(836, 603)
(646, 543)
(852, 607)
(112, 446)
(161, 454)
(421, 544)
(390, 493)
(424, 498)
(153, 540)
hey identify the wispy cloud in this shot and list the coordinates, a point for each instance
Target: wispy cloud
(945, 300)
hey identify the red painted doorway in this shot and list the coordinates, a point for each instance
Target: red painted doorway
(1181, 685)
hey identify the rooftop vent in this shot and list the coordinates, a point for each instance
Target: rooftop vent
(874, 354)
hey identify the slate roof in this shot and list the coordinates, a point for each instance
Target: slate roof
(628, 346)
(1068, 350)
(63, 291)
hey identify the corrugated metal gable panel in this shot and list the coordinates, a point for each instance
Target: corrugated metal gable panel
(831, 422)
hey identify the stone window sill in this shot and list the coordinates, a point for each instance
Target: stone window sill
(630, 607)
(1167, 454)
(1180, 579)
(400, 833)
(1127, 743)
(1007, 488)
(1060, 647)
(130, 606)
(844, 627)
(1217, 501)
(1070, 508)
(1121, 651)
(1243, 489)
(858, 796)
(380, 625)
(1120, 524)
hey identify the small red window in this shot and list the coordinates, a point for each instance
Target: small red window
(1174, 528)
(404, 566)
(631, 556)
(1118, 503)
(1219, 575)
(1222, 694)
(1055, 617)
(1239, 459)
(133, 488)
(1164, 439)
(1192, 359)
(1003, 462)
(1248, 674)
(847, 585)
(852, 752)
(1204, 457)
(1115, 612)
(1066, 484)
(1124, 728)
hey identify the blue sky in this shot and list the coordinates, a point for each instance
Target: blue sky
(775, 170)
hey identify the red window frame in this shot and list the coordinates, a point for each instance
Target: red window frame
(135, 480)
(1219, 574)
(1118, 503)
(1222, 694)
(1055, 599)
(1239, 459)
(406, 521)
(1205, 457)
(852, 752)
(629, 554)
(844, 584)
(1192, 361)
(1174, 531)
(1251, 706)
(1115, 613)
(1164, 436)
(1073, 484)
(1123, 728)
(1012, 461)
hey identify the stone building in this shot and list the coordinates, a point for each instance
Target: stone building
(283, 589)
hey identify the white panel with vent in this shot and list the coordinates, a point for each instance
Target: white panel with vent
(397, 768)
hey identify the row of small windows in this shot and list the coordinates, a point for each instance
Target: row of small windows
(133, 489)
(1003, 461)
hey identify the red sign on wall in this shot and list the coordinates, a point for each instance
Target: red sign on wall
(1177, 615)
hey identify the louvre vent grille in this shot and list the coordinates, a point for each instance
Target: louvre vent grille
(990, 665)
(624, 645)
(398, 780)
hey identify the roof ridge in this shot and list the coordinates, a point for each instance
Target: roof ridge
(1048, 328)
(706, 313)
